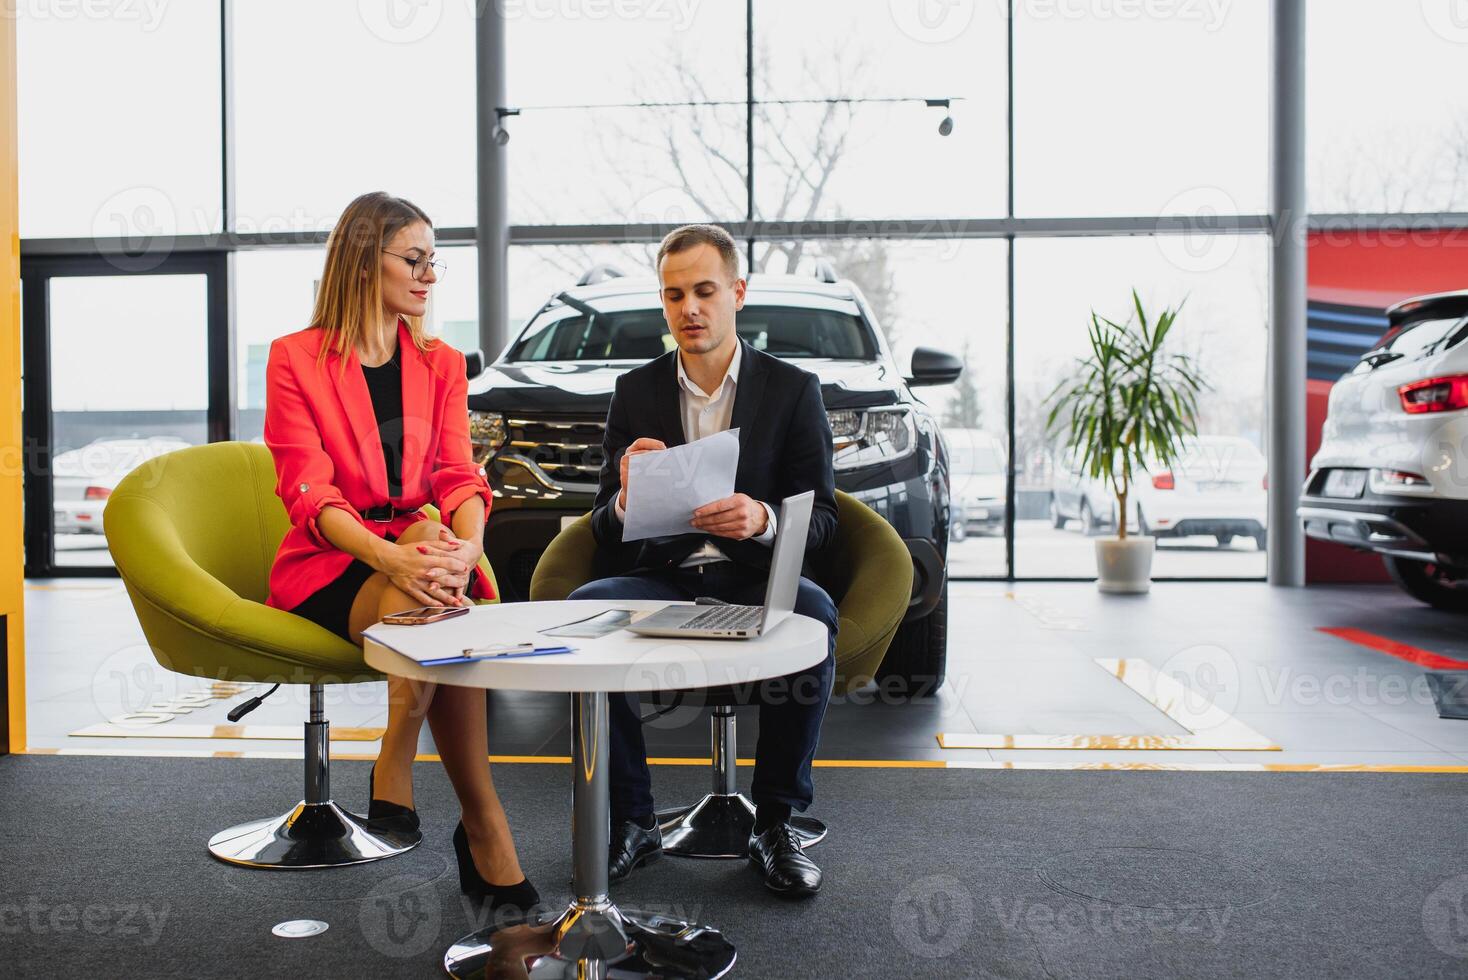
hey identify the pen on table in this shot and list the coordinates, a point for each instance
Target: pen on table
(522, 648)
(499, 648)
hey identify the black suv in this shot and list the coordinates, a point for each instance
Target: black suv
(538, 412)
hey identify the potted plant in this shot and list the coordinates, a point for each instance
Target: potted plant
(1131, 404)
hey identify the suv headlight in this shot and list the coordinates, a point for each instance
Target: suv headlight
(487, 434)
(863, 437)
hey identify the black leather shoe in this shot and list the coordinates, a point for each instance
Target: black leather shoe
(393, 818)
(632, 847)
(776, 854)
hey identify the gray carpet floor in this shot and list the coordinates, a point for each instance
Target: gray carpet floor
(930, 873)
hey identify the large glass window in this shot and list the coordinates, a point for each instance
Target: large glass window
(335, 100)
(118, 119)
(116, 401)
(275, 290)
(1141, 109)
(949, 294)
(622, 161)
(843, 128)
(1209, 519)
(1387, 118)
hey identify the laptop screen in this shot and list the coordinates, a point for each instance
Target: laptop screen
(791, 532)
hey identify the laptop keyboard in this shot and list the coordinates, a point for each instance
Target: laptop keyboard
(726, 618)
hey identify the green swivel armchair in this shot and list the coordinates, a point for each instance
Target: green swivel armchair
(194, 534)
(868, 572)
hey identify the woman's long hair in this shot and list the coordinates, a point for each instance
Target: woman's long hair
(349, 299)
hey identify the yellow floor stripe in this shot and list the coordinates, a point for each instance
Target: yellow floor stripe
(279, 733)
(1266, 767)
(1209, 727)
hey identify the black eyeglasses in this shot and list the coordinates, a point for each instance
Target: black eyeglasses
(421, 265)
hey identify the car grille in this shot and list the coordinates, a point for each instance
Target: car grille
(566, 449)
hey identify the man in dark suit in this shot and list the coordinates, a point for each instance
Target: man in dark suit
(712, 382)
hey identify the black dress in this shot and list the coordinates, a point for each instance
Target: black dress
(331, 605)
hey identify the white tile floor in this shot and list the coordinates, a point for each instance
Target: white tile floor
(1021, 661)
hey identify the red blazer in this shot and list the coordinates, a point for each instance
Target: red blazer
(322, 432)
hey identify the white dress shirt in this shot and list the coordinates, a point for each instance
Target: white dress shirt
(704, 415)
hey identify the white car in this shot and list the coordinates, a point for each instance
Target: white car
(1216, 488)
(83, 479)
(976, 471)
(1391, 475)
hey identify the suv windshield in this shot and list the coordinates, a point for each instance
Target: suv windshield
(565, 334)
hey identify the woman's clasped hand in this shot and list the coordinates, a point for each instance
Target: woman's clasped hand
(434, 573)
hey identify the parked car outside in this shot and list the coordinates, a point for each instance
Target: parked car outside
(1217, 487)
(83, 478)
(976, 475)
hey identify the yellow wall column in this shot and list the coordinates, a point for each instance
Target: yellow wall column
(12, 468)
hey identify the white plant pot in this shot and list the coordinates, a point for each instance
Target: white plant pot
(1124, 567)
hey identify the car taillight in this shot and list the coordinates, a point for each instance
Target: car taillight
(1435, 395)
(97, 493)
(1163, 481)
(1265, 482)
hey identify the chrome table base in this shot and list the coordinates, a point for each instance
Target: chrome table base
(313, 835)
(592, 941)
(593, 938)
(719, 825)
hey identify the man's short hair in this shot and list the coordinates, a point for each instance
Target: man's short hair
(691, 236)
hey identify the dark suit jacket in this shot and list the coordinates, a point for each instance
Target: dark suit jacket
(784, 449)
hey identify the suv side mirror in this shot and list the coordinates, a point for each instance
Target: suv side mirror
(931, 366)
(473, 363)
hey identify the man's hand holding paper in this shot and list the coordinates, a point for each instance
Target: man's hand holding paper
(661, 489)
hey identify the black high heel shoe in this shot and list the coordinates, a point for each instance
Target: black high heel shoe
(391, 817)
(521, 898)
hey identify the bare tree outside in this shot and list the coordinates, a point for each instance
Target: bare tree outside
(696, 156)
(1394, 172)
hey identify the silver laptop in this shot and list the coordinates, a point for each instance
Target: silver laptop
(730, 622)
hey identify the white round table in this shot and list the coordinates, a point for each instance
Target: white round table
(594, 937)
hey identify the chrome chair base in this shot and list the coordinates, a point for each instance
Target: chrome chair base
(313, 835)
(585, 941)
(719, 825)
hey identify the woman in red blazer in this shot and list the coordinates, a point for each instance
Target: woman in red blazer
(367, 418)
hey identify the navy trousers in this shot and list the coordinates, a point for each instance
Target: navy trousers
(791, 708)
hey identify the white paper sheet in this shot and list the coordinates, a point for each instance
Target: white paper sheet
(665, 487)
(447, 638)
